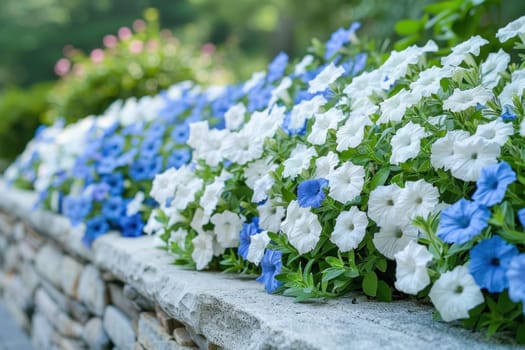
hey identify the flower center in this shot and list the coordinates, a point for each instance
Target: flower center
(494, 262)
(474, 156)
(419, 200)
(390, 202)
(458, 290)
(398, 233)
(351, 227)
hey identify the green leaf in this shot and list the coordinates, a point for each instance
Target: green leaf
(381, 264)
(520, 334)
(332, 273)
(408, 27)
(370, 284)
(379, 178)
(384, 292)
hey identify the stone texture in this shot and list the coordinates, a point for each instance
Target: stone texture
(79, 311)
(119, 300)
(59, 298)
(49, 263)
(11, 259)
(29, 277)
(65, 343)
(140, 302)
(165, 320)
(118, 327)
(95, 336)
(41, 332)
(17, 293)
(200, 340)
(61, 321)
(182, 337)
(20, 316)
(153, 336)
(70, 275)
(26, 251)
(92, 290)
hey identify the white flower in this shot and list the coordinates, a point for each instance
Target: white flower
(364, 85)
(234, 117)
(202, 250)
(418, 198)
(442, 152)
(212, 194)
(350, 229)
(325, 165)
(298, 161)
(261, 188)
(153, 226)
(514, 88)
(352, 132)
(257, 246)
(464, 99)
(496, 131)
(206, 143)
(300, 68)
(411, 268)
(455, 293)
(133, 207)
(178, 237)
(323, 122)
(491, 69)
(326, 77)
(428, 82)
(516, 27)
(305, 110)
(270, 216)
(460, 52)
(255, 79)
(471, 155)
(281, 91)
(393, 109)
(406, 143)
(304, 232)
(242, 147)
(164, 185)
(186, 192)
(346, 182)
(228, 226)
(392, 239)
(257, 169)
(199, 220)
(383, 206)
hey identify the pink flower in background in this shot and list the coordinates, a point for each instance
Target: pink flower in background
(136, 47)
(62, 66)
(78, 70)
(97, 55)
(208, 49)
(139, 25)
(124, 33)
(152, 45)
(110, 41)
(69, 50)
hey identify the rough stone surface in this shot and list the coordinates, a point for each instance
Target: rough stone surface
(92, 290)
(153, 336)
(165, 320)
(201, 342)
(60, 299)
(63, 323)
(65, 343)
(70, 275)
(42, 332)
(119, 300)
(17, 293)
(49, 263)
(118, 327)
(11, 259)
(95, 336)
(29, 277)
(182, 337)
(79, 311)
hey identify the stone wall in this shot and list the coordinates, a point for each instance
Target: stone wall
(125, 294)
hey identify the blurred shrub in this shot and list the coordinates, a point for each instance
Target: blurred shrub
(133, 63)
(20, 111)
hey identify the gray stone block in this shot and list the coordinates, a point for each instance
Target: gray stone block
(70, 275)
(61, 322)
(95, 336)
(49, 262)
(41, 332)
(153, 336)
(92, 290)
(118, 327)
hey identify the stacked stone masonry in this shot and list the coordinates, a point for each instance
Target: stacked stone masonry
(125, 294)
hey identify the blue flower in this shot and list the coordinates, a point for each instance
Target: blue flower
(277, 67)
(286, 126)
(178, 158)
(493, 182)
(132, 225)
(180, 133)
(489, 262)
(99, 191)
(247, 231)
(521, 216)
(150, 147)
(339, 38)
(113, 208)
(145, 169)
(113, 146)
(462, 221)
(310, 192)
(515, 274)
(95, 228)
(76, 208)
(508, 114)
(271, 265)
(115, 181)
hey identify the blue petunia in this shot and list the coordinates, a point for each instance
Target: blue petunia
(178, 158)
(115, 181)
(489, 262)
(95, 228)
(180, 133)
(113, 146)
(339, 38)
(515, 274)
(113, 208)
(247, 231)
(521, 216)
(310, 193)
(462, 221)
(271, 265)
(132, 226)
(508, 114)
(76, 208)
(493, 182)
(276, 67)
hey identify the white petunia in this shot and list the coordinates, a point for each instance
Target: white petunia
(228, 226)
(164, 185)
(514, 28)
(514, 88)
(350, 229)
(206, 143)
(442, 151)
(153, 226)
(364, 85)
(199, 220)
(393, 109)
(294, 213)
(455, 293)
(428, 82)
(346, 182)
(234, 116)
(406, 143)
(324, 122)
(325, 165)
(305, 110)
(134, 206)
(242, 147)
(461, 100)
(305, 232)
(471, 155)
(383, 206)
(281, 91)
(495, 64)
(254, 80)
(326, 77)
(202, 250)
(300, 68)
(270, 216)
(411, 268)
(418, 198)
(178, 237)
(298, 161)
(393, 239)
(496, 131)
(261, 188)
(461, 51)
(257, 169)
(258, 243)
(352, 132)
